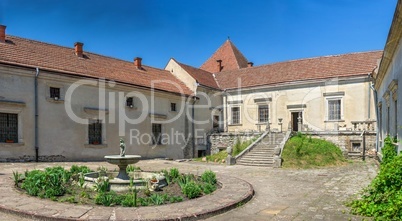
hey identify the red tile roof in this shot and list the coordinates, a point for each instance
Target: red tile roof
(25, 52)
(203, 77)
(346, 65)
(232, 59)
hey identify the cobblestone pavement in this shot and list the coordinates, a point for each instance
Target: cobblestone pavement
(280, 194)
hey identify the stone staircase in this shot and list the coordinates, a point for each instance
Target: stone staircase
(262, 153)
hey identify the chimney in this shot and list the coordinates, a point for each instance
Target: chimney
(250, 64)
(137, 62)
(219, 65)
(3, 33)
(78, 49)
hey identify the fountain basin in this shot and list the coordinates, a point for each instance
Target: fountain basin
(140, 180)
(122, 162)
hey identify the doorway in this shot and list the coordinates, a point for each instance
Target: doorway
(216, 123)
(295, 120)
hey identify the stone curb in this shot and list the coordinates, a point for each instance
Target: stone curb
(234, 192)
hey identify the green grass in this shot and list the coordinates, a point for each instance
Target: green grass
(238, 148)
(305, 152)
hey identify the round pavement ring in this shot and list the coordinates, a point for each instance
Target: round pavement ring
(233, 192)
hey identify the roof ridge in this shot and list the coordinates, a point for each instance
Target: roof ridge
(303, 59)
(85, 52)
(233, 47)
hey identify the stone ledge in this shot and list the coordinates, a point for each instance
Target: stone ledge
(234, 192)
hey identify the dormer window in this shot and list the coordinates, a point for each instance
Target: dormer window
(130, 102)
(55, 93)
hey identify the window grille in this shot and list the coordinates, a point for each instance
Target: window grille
(8, 128)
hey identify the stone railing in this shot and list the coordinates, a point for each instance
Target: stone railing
(278, 150)
(367, 125)
(251, 146)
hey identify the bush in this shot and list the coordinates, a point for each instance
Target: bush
(208, 188)
(107, 198)
(79, 169)
(382, 199)
(49, 183)
(191, 190)
(209, 177)
(174, 173)
(388, 151)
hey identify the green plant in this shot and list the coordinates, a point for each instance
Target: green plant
(101, 169)
(183, 179)
(208, 188)
(191, 190)
(101, 185)
(174, 173)
(388, 151)
(132, 168)
(79, 169)
(174, 199)
(209, 177)
(81, 180)
(16, 177)
(143, 201)
(70, 199)
(107, 198)
(157, 199)
(382, 199)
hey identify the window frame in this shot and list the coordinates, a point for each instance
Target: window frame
(95, 123)
(232, 115)
(266, 115)
(341, 109)
(173, 106)
(15, 135)
(54, 92)
(158, 140)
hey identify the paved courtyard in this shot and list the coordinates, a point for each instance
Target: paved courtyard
(280, 194)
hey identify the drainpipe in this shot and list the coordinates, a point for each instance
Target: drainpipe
(36, 116)
(369, 98)
(193, 125)
(378, 117)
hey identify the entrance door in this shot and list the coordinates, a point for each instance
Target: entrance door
(216, 123)
(295, 120)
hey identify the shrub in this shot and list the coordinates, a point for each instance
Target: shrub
(79, 169)
(102, 185)
(382, 199)
(107, 198)
(191, 190)
(132, 168)
(16, 177)
(174, 173)
(183, 179)
(49, 183)
(129, 200)
(208, 188)
(209, 177)
(388, 151)
(157, 199)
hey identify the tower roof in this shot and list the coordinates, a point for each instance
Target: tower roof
(231, 57)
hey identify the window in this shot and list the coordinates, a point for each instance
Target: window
(95, 132)
(130, 102)
(334, 109)
(172, 106)
(8, 128)
(356, 147)
(156, 133)
(54, 93)
(235, 115)
(263, 113)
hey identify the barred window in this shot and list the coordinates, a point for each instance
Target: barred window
(172, 106)
(334, 109)
(235, 115)
(54, 92)
(95, 132)
(263, 113)
(8, 128)
(156, 133)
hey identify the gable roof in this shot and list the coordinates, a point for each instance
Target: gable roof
(346, 65)
(232, 59)
(204, 78)
(30, 53)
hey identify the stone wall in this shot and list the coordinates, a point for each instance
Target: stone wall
(220, 141)
(27, 158)
(345, 139)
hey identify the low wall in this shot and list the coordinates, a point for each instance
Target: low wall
(220, 141)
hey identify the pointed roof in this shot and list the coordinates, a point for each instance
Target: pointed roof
(204, 78)
(232, 59)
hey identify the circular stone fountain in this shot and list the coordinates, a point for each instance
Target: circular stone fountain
(121, 181)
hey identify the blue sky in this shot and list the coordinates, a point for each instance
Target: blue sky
(190, 31)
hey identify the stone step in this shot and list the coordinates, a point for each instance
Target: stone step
(257, 164)
(256, 160)
(259, 155)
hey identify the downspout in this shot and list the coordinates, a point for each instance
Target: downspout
(36, 116)
(378, 117)
(369, 99)
(193, 125)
